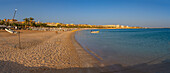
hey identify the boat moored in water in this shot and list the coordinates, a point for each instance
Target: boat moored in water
(94, 32)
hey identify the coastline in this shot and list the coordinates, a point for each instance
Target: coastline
(45, 52)
(85, 56)
(97, 57)
(51, 52)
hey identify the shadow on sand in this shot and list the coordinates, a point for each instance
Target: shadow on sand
(13, 67)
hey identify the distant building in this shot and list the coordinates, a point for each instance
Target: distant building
(52, 24)
(117, 26)
(109, 26)
(72, 24)
(11, 20)
(4, 19)
(57, 23)
(121, 26)
(62, 24)
(38, 22)
(126, 26)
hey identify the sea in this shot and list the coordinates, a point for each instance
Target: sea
(127, 47)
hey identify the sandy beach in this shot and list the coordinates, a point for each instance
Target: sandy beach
(51, 52)
(44, 52)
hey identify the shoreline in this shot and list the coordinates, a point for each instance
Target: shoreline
(86, 48)
(45, 52)
(83, 52)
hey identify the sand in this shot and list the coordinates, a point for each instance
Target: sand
(49, 52)
(44, 52)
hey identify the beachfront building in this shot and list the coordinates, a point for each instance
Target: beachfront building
(67, 25)
(5, 20)
(121, 26)
(109, 26)
(126, 26)
(90, 26)
(63, 25)
(57, 23)
(93, 26)
(86, 25)
(99, 26)
(11, 20)
(117, 26)
(71, 25)
(8, 21)
(80, 25)
(51, 24)
(38, 22)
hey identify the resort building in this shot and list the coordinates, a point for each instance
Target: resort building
(57, 23)
(126, 26)
(121, 26)
(38, 22)
(11, 20)
(5, 20)
(53, 24)
(117, 26)
(109, 26)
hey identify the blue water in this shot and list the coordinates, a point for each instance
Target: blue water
(127, 46)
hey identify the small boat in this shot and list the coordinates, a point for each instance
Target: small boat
(10, 31)
(94, 32)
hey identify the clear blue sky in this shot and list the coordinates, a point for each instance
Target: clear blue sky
(152, 13)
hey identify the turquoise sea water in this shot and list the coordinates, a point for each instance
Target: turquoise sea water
(127, 46)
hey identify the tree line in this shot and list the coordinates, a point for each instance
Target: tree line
(28, 22)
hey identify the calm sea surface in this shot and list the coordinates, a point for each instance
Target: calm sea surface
(128, 46)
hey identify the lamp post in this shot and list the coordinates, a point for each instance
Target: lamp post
(14, 13)
(18, 31)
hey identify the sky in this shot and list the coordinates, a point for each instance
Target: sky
(143, 13)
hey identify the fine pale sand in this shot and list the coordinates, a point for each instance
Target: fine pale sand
(44, 52)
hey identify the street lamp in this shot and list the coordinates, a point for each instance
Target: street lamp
(14, 13)
(18, 31)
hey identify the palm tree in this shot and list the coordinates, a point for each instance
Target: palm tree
(26, 21)
(2, 22)
(31, 20)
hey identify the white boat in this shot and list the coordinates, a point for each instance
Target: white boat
(94, 31)
(10, 31)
